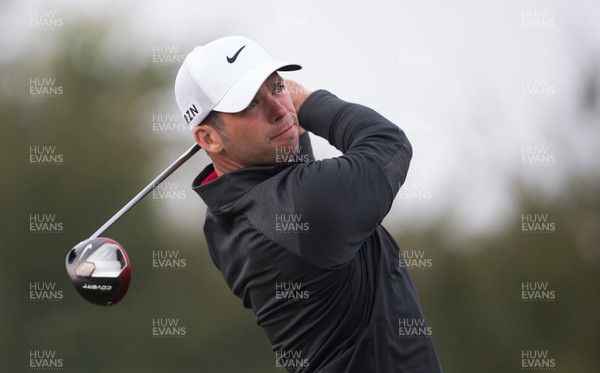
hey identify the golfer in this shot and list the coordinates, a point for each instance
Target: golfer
(300, 241)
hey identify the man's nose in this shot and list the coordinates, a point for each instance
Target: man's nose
(276, 109)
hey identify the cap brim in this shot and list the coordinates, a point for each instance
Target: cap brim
(239, 96)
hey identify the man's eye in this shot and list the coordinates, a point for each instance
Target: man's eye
(279, 88)
(252, 104)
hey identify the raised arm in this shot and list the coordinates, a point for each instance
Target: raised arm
(344, 199)
(299, 94)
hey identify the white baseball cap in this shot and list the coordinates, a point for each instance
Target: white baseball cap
(223, 75)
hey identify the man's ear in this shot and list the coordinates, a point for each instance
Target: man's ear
(208, 138)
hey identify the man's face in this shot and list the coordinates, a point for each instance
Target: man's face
(268, 126)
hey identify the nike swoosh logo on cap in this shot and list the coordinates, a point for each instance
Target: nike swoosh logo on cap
(235, 56)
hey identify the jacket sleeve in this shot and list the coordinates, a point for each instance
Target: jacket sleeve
(306, 147)
(344, 199)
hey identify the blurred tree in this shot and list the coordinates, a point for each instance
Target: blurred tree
(471, 294)
(100, 166)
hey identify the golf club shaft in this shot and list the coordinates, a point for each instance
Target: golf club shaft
(175, 165)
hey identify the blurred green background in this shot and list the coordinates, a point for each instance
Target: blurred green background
(101, 124)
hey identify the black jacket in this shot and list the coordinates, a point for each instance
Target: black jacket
(301, 244)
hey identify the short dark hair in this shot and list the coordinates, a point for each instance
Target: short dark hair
(214, 120)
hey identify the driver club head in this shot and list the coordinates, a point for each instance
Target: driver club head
(100, 270)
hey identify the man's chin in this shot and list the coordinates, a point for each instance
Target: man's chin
(288, 153)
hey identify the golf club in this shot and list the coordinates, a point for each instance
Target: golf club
(99, 267)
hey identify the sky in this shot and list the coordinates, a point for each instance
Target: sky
(487, 92)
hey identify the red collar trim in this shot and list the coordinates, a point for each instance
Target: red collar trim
(213, 175)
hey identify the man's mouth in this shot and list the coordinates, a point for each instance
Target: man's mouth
(288, 128)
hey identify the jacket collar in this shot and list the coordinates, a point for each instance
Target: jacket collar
(221, 192)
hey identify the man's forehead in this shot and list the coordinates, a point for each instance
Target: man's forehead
(273, 78)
